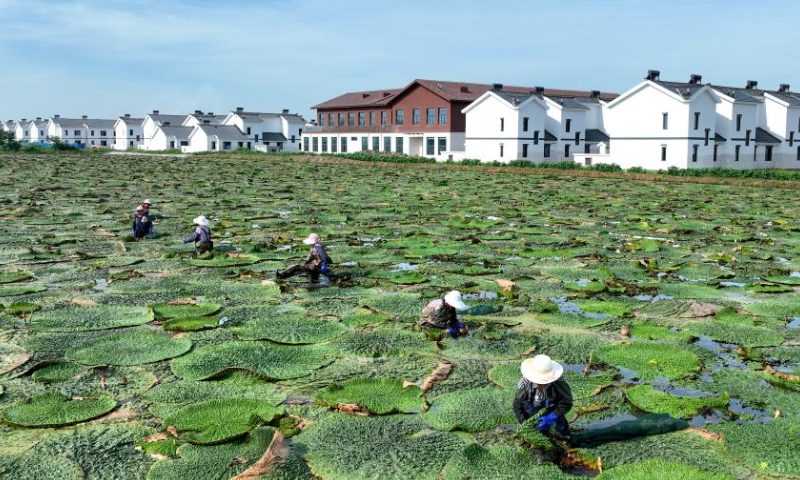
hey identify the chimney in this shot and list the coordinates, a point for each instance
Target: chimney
(198, 112)
(751, 84)
(166, 124)
(84, 117)
(24, 120)
(56, 116)
(653, 75)
(464, 89)
(286, 111)
(496, 87)
(155, 112)
(595, 93)
(127, 115)
(206, 122)
(784, 88)
(365, 95)
(38, 119)
(538, 90)
(211, 113)
(238, 110)
(695, 79)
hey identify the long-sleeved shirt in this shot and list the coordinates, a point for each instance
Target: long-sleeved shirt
(439, 314)
(554, 397)
(317, 256)
(201, 234)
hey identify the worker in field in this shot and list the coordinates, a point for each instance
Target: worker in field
(442, 313)
(543, 388)
(146, 205)
(317, 263)
(140, 224)
(201, 236)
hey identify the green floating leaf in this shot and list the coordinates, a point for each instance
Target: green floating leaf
(130, 348)
(660, 469)
(222, 260)
(12, 356)
(57, 372)
(39, 467)
(271, 361)
(500, 463)
(784, 280)
(383, 343)
(102, 317)
(13, 290)
(378, 448)
(770, 449)
(53, 409)
(650, 360)
(165, 310)
(745, 335)
(379, 396)
(289, 328)
(13, 277)
(217, 421)
(646, 398)
(191, 324)
(608, 307)
(22, 308)
(473, 410)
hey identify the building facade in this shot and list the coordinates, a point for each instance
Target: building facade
(271, 132)
(153, 138)
(128, 132)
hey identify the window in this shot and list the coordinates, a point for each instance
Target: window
(324, 144)
(184, 143)
(398, 144)
(715, 151)
(442, 116)
(430, 146)
(755, 153)
(798, 154)
(225, 145)
(334, 145)
(387, 144)
(747, 138)
(546, 150)
(351, 118)
(695, 149)
(525, 122)
(316, 144)
(341, 119)
(77, 133)
(664, 121)
(708, 135)
(577, 138)
(331, 119)
(41, 133)
(798, 124)
(93, 133)
(663, 153)
(321, 120)
(739, 122)
(431, 116)
(137, 138)
(294, 139)
(398, 117)
(768, 154)
(375, 144)
(501, 150)
(696, 120)
(130, 144)
(305, 144)
(442, 145)
(536, 137)
(736, 154)
(103, 143)
(383, 118)
(415, 116)
(248, 130)
(344, 144)
(241, 144)
(524, 150)
(791, 139)
(566, 151)
(371, 119)
(569, 124)
(364, 143)
(362, 118)
(502, 125)
(587, 148)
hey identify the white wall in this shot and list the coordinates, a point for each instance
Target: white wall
(483, 136)
(128, 134)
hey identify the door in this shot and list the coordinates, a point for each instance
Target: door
(768, 155)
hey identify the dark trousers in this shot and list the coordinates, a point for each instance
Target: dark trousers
(311, 273)
(562, 425)
(203, 247)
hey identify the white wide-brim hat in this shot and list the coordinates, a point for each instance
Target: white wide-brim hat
(147, 202)
(140, 208)
(312, 239)
(454, 300)
(541, 370)
(201, 220)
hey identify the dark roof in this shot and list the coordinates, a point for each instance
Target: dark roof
(450, 91)
(98, 123)
(793, 99)
(719, 138)
(567, 102)
(549, 137)
(69, 122)
(740, 94)
(289, 117)
(514, 98)
(763, 136)
(594, 135)
(273, 137)
(685, 90)
(223, 132)
(172, 119)
(131, 120)
(212, 119)
(180, 133)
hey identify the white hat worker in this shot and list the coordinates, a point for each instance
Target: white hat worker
(201, 220)
(140, 208)
(454, 300)
(147, 202)
(541, 370)
(312, 239)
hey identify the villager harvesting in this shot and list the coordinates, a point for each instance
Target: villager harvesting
(442, 313)
(201, 236)
(317, 263)
(543, 388)
(142, 224)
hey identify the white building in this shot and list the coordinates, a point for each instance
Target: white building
(168, 137)
(100, 133)
(37, 130)
(70, 131)
(7, 126)
(199, 118)
(21, 130)
(153, 140)
(273, 132)
(128, 132)
(216, 138)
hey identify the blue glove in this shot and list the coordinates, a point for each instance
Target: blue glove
(546, 422)
(454, 331)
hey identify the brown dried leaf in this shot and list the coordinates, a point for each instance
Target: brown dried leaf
(440, 374)
(182, 301)
(507, 285)
(276, 453)
(83, 302)
(172, 431)
(715, 437)
(156, 437)
(352, 409)
(700, 310)
(407, 384)
(238, 255)
(784, 376)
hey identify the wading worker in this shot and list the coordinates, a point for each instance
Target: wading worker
(316, 263)
(201, 236)
(442, 313)
(142, 225)
(543, 388)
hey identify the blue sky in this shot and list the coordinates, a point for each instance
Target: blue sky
(104, 58)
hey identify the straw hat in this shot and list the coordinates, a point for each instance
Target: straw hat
(201, 220)
(147, 202)
(312, 239)
(454, 300)
(541, 370)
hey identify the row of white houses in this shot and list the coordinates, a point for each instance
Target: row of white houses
(195, 132)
